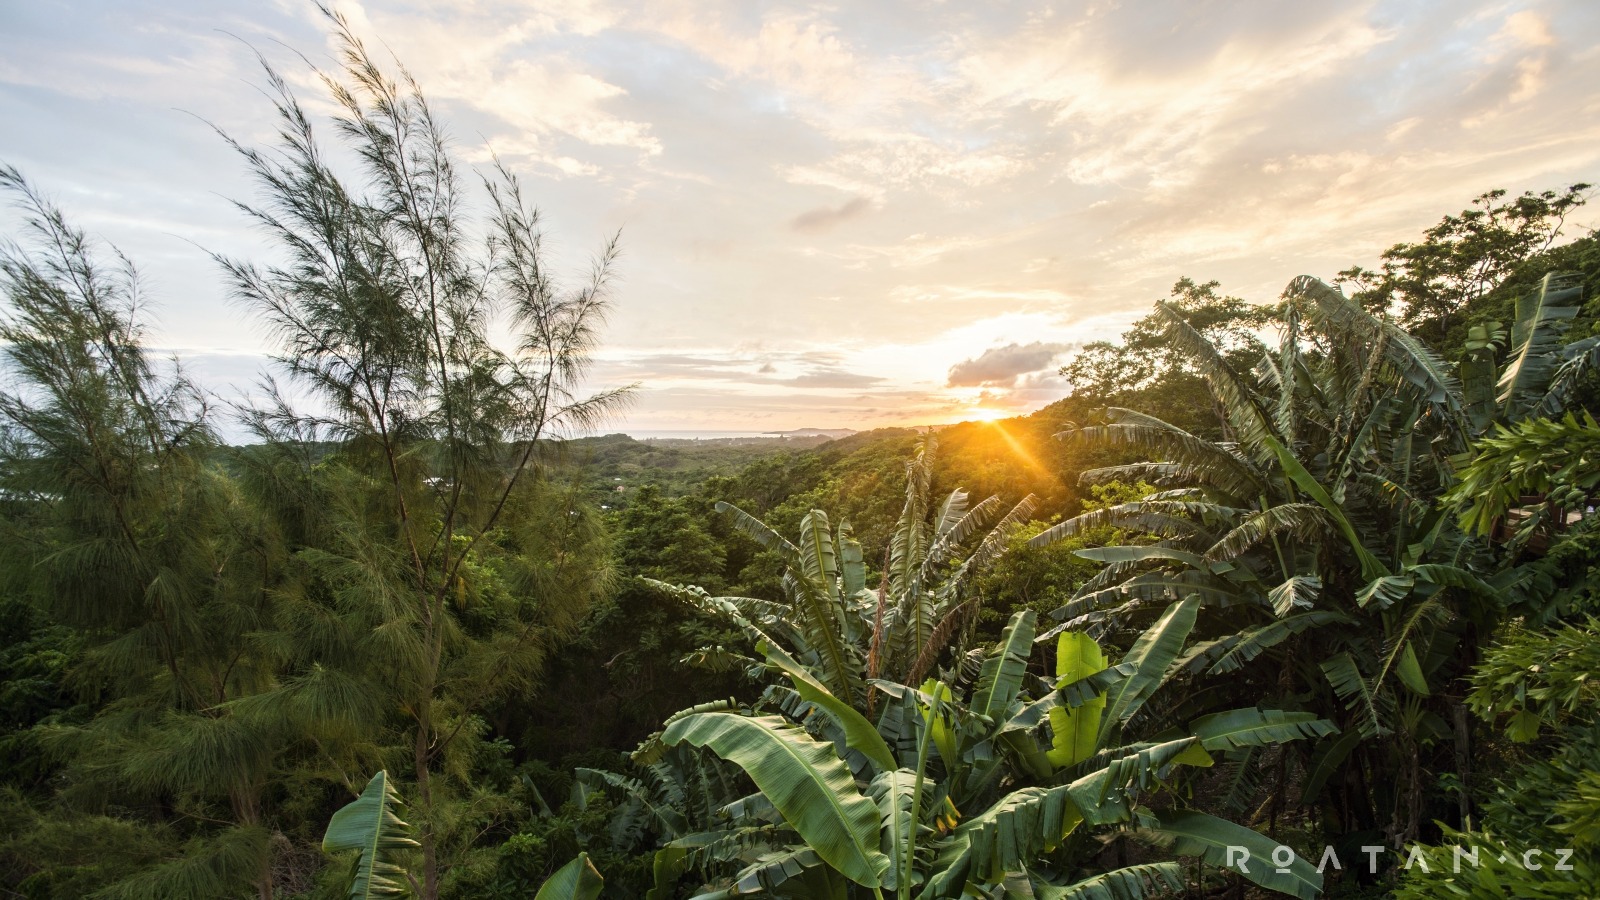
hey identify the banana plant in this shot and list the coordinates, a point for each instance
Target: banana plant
(1542, 368)
(1310, 537)
(959, 789)
(847, 633)
(577, 880)
(371, 825)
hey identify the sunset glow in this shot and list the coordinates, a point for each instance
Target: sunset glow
(840, 215)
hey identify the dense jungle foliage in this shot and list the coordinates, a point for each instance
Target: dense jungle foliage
(1310, 573)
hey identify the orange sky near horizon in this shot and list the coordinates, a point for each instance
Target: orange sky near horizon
(840, 215)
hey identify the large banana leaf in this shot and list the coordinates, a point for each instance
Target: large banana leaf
(950, 512)
(1370, 566)
(757, 529)
(1579, 360)
(1252, 727)
(372, 824)
(1238, 399)
(1153, 587)
(910, 540)
(1163, 518)
(666, 819)
(668, 864)
(1285, 416)
(577, 880)
(1074, 731)
(993, 545)
(1151, 655)
(818, 557)
(1102, 795)
(1071, 695)
(894, 791)
(1143, 553)
(823, 628)
(1326, 760)
(1239, 649)
(1357, 692)
(1307, 522)
(804, 778)
(1542, 318)
(771, 870)
(1000, 679)
(1343, 318)
(859, 733)
(852, 563)
(1207, 462)
(1003, 838)
(1208, 837)
(1477, 374)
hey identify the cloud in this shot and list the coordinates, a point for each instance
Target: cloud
(827, 218)
(833, 378)
(1000, 366)
(823, 201)
(811, 370)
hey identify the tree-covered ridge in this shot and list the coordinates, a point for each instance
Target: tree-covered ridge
(1315, 571)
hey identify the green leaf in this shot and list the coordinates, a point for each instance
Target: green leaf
(1102, 795)
(1252, 727)
(819, 561)
(1325, 760)
(1410, 670)
(372, 824)
(1542, 319)
(1151, 655)
(757, 529)
(1074, 732)
(942, 737)
(1386, 590)
(577, 880)
(669, 863)
(774, 869)
(805, 780)
(852, 564)
(1000, 679)
(1208, 837)
(1004, 837)
(1299, 592)
(1237, 399)
(893, 791)
(1340, 316)
(859, 733)
(1348, 682)
(1523, 726)
(1254, 642)
(1071, 695)
(1370, 566)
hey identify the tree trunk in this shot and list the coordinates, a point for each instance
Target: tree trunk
(425, 836)
(246, 802)
(1463, 764)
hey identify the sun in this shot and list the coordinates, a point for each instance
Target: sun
(981, 414)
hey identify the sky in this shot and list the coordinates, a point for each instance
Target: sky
(837, 215)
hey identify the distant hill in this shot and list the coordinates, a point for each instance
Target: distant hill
(613, 465)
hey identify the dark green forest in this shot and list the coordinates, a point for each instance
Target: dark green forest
(1291, 595)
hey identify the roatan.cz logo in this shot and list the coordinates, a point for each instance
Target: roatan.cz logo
(1533, 859)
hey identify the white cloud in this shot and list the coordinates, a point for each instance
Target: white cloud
(826, 207)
